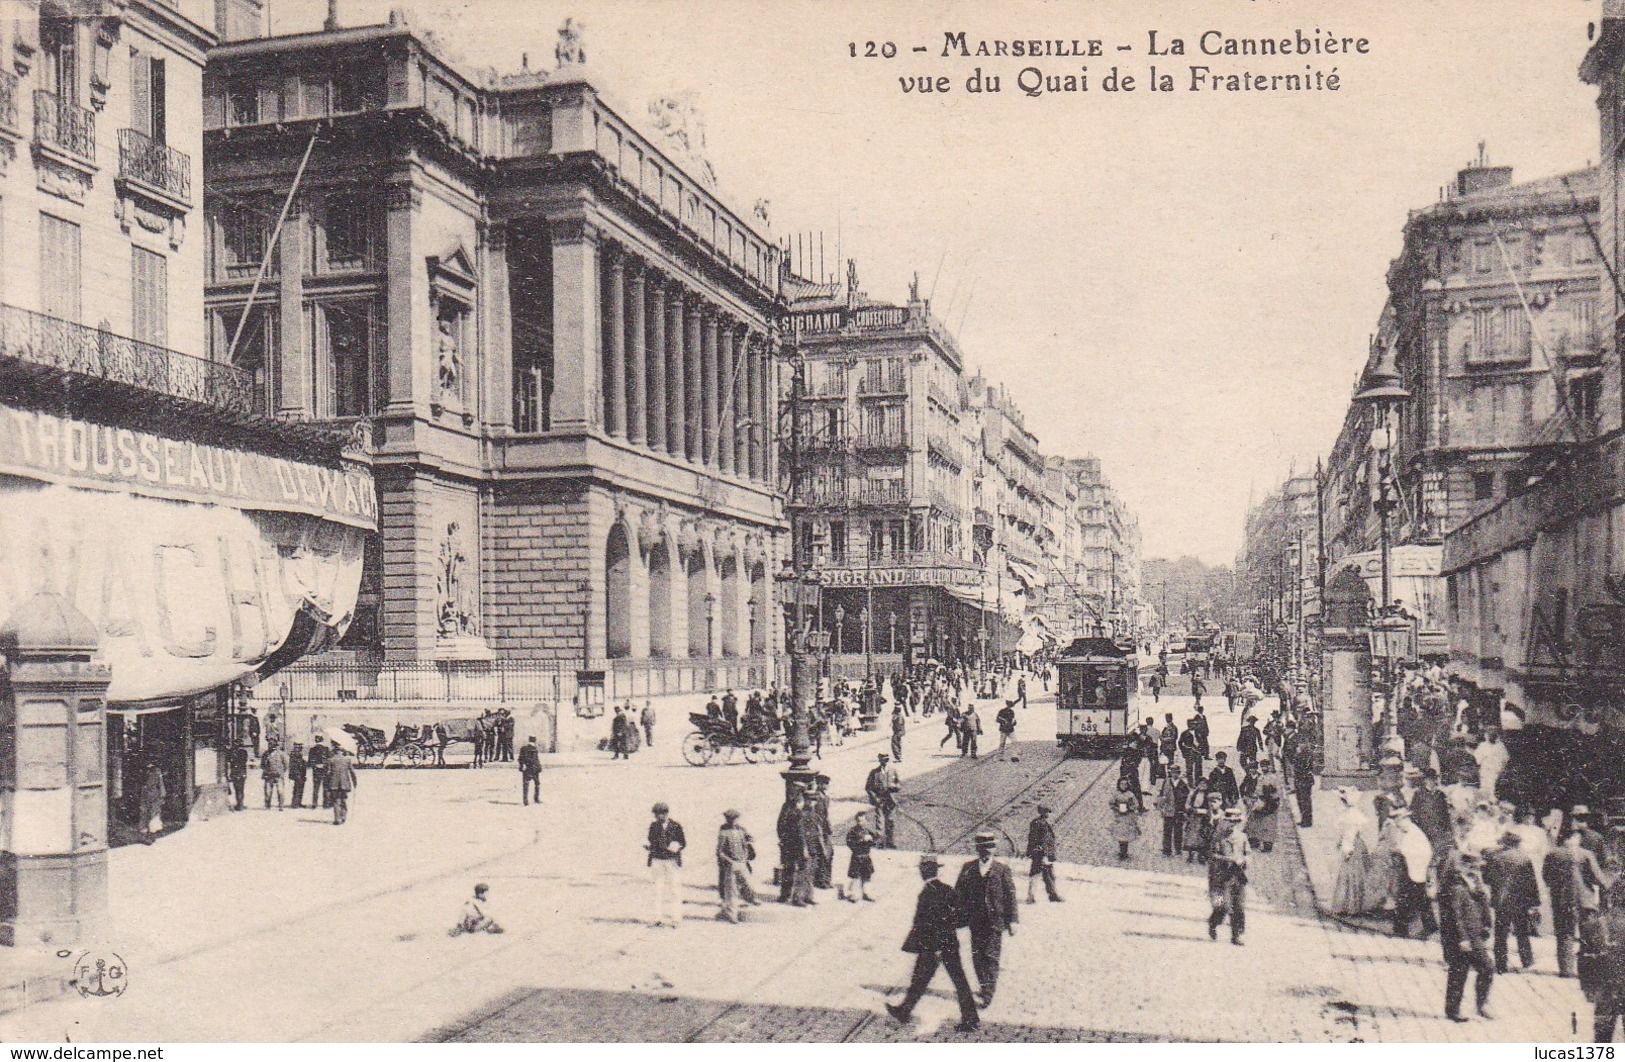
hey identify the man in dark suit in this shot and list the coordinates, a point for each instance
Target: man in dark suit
(1574, 879)
(319, 754)
(1042, 850)
(1223, 781)
(986, 892)
(1430, 810)
(530, 772)
(1514, 891)
(934, 939)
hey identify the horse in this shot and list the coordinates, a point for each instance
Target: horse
(480, 732)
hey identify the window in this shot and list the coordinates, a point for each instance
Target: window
(243, 102)
(147, 96)
(59, 268)
(347, 228)
(254, 346)
(1483, 486)
(837, 542)
(350, 89)
(349, 358)
(1500, 334)
(149, 297)
(60, 59)
(244, 231)
(1583, 249)
(1483, 257)
(1585, 397)
(877, 540)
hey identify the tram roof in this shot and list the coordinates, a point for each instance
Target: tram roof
(1082, 647)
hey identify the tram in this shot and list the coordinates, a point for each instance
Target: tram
(1097, 698)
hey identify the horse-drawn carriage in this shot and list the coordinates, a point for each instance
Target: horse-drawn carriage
(425, 743)
(713, 740)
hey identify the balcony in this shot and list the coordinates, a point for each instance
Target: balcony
(50, 342)
(822, 494)
(8, 102)
(883, 383)
(155, 168)
(64, 129)
(881, 440)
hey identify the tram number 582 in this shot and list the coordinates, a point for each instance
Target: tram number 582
(871, 50)
(1086, 726)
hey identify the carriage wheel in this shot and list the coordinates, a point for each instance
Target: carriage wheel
(753, 753)
(697, 749)
(413, 754)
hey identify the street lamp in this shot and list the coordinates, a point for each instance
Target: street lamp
(1384, 392)
(840, 628)
(868, 653)
(710, 624)
(893, 625)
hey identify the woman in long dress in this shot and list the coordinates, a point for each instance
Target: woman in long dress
(1125, 816)
(1196, 822)
(1354, 893)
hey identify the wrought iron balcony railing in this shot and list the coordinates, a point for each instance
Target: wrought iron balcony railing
(50, 341)
(64, 126)
(8, 100)
(155, 164)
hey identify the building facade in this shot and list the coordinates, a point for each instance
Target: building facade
(1279, 571)
(163, 536)
(555, 334)
(1536, 593)
(1492, 327)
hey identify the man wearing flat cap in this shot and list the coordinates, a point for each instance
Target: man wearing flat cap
(987, 898)
(1042, 850)
(933, 939)
(882, 787)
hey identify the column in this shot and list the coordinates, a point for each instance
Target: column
(676, 381)
(655, 297)
(709, 436)
(768, 399)
(406, 329)
(615, 348)
(497, 363)
(297, 369)
(727, 382)
(637, 413)
(578, 353)
(758, 416)
(691, 373)
(739, 348)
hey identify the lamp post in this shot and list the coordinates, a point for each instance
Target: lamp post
(1383, 393)
(803, 680)
(868, 649)
(840, 628)
(710, 624)
(892, 623)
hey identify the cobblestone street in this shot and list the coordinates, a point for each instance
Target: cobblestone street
(323, 933)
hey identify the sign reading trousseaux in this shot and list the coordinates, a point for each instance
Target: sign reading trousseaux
(191, 559)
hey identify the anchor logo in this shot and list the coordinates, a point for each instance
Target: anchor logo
(100, 975)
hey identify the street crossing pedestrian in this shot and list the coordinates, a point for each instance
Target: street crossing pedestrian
(860, 867)
(1172, 796)
(882, 787)
(986, 894)
(665, 862)
(1126, 812)
(933, 940)
(1227, 876)
(297, 768)
(341, 779)
(1464, 933)
(735, 853)
(319, 755)
(530, 772)
(1042, 851)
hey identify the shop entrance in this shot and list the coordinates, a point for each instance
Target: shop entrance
(137, 739)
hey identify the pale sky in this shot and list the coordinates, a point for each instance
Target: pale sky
(1182, 282)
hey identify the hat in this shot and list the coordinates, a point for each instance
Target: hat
(730, 814)
(930, 861)
(1043, 809)
(1579, 811)
(1511, 839)
(884, 757)
(986, 839)
(481, 887)
(1234, 812)
(1471, 855)
(661, 809)
(823, 778)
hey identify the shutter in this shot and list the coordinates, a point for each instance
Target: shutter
(59, 268)
(140, 93)
(160, 108)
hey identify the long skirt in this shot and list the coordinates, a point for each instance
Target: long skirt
(1353, 893)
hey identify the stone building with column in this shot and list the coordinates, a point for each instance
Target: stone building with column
(556, 335)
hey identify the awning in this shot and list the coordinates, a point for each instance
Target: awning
(1028, 575)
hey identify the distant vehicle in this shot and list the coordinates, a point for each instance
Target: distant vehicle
(1096, 696)
(1176, 643)
(1198, 647)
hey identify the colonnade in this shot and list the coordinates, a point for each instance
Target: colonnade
(681, 375)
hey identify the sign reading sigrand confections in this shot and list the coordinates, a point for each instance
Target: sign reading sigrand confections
(836, 577)
(63, 450)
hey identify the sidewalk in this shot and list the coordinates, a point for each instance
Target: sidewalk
(1409, 997)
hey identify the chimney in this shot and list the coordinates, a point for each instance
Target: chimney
(1480, 176)
(332, 23)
